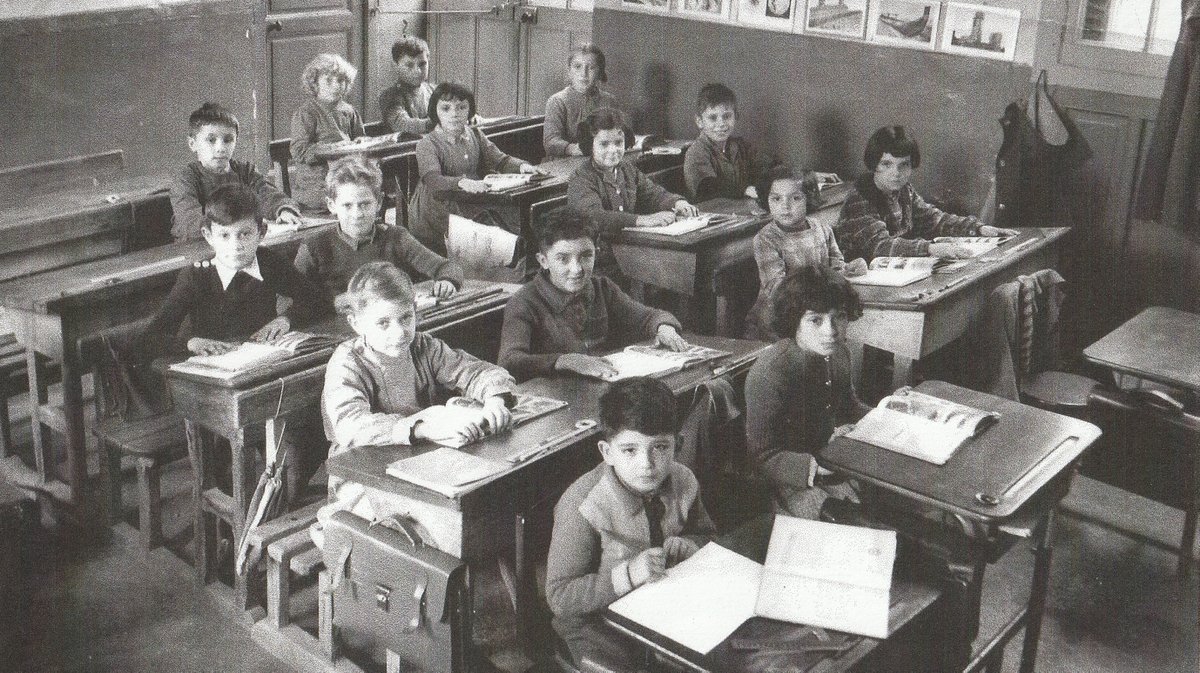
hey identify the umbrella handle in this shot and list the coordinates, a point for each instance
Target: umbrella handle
(403, 526)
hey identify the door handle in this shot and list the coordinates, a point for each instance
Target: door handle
(274, 26)
(527, 15)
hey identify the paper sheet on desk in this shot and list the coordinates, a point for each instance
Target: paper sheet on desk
(483, 251)
(678, 227)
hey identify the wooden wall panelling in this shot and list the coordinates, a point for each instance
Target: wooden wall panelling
(544, 49)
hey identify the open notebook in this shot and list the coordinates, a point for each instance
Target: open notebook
(251, 356)
(645, 360)
(816, 573)
(921, 426)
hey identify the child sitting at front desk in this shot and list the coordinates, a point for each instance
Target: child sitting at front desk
(379, 385)
(620, 525)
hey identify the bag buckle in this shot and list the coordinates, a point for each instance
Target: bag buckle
(382, 594)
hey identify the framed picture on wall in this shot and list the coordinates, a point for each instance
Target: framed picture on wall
(707, 9)
(583, 5)
(977, 30)
(847, 18)
(549, 3)
(908, 23)
(661, 6)
(774, 14)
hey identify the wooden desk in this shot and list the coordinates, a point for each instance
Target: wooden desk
(231, 412)
(909, 623)
(915, 320)
(1018, 469)
(519, 199)
(493, 516)
(50, 312)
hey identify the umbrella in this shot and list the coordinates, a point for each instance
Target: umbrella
(264, 506)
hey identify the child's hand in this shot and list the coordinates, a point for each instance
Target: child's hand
(668, 337)
(437, 424)
(496, 415)
(442, 289)
(648, 566)
(532, 170)
(685, 209)
(289, 216)
(201, 346)
(472, 186)
(573, 150)
(751, 192)
(655, 219)
(949, 250)
(272, 330)
(679, 549)
(988, 230)
(588, 365)
(855, 267)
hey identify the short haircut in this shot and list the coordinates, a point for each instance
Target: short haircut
(323, 64)
(409, 45)
(602, 119)
(641, 404)
(212, 113)
(712, 95)
(811, 288)
(232, 203)
(450, 91)
(589, 49)
(808, 181)
(891, 140)
(374, 281)
(354, 169)
(563, 224)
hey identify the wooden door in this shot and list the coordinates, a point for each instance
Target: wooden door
(547, 37)
(478, 45)
(387, 20)
(298, 30)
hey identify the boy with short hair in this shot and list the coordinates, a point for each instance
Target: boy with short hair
(212, 136)
(354, 188)
(566, 317)
(718, 163)
(232, 297)
(405, 104)
(622, 524)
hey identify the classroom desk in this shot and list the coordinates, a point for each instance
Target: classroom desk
(51, 311)
(911, 623)
(230, 412)
(1016, 472)
(647, 162)
(917, 319)
(1163, 345)
(378, 147)
(492, 517)
(518, 199)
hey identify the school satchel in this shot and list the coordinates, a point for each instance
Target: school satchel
(393, 592)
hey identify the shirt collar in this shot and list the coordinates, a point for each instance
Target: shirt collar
(354, 242)
(226, 274)
(463, 137)
(632, 503)
(556, 298)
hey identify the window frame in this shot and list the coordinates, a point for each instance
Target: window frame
(1092, 55)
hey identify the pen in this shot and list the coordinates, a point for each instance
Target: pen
(581, 428)
(920, 295)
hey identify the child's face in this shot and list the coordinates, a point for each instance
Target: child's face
(355, 207)
(453, 115)
(332, 87)
(608, 148)
(214, 145)
(583, 71)
(412, 70)
(569, 263)
(387, 326)
(234, 245)
(822, 332)
(787, 202)
(717, 122)
(893, 173)
(642, 462)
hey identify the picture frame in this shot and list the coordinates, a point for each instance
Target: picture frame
(844, 18)
(713, 10)
(557, 4)
(651, 6)
(771, 14)
(980, 30)
(905, 23)
(583, 5)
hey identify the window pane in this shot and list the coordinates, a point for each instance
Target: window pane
(1121, 24)
(1166, 27)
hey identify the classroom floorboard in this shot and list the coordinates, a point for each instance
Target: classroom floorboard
(1115, 606)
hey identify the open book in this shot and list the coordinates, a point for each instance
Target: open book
(816, 573)
(250, 356)
(645, 360)
(921, 426)
(681, 226)
(976, 244)
(445, 470)
(499, 182)
(276, 229)
(896, 271)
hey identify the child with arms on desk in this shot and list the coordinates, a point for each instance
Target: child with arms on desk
(354, 188)
(620, 525)
(405, 104)
(565, 109)
(884, 216)
(378, 386)
(719, 164)
(321, 121)
(799, 392)
(213, 137)
(454, 155)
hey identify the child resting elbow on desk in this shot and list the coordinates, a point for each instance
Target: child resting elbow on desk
(622, 524)
(354, 188)
(378, 387)
(212, 136)
(719, 164)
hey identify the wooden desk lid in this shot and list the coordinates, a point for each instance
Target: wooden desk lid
(1159, 343)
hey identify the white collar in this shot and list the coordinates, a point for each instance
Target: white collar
(226, 274)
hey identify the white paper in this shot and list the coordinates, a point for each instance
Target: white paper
(479, 246)
(828, 575)
(632, 363)
(679, 227)
(445, 470)
(890, 277)
(700, 601)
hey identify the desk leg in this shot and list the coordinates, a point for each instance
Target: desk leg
(902, 371)
(38, 395)
(1042, 551)
(244, 481)
(1187, 546)
(72, 391)
(203, 532)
